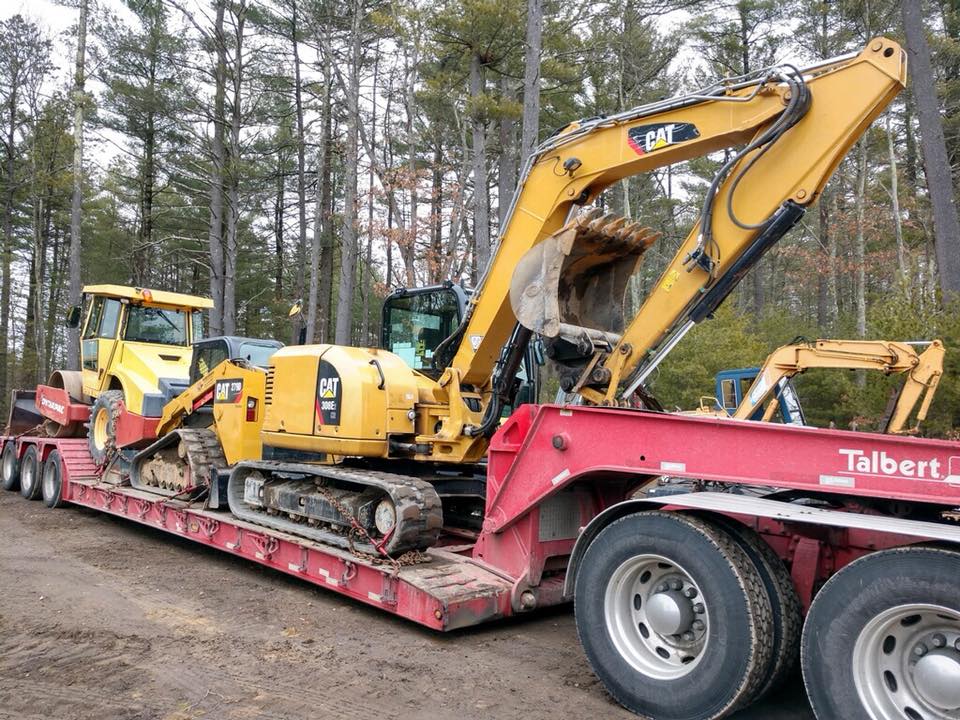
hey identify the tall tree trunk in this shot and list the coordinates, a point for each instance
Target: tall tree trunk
(7, 246)
(895, 209)
(231, 249)
(408, 249)
(939, 178)
(319, 207)
(506, 171)
(79, 99)
(531, 79)
(366, 287)
(481, 196)
(859, 248)
(301, 162)
(142, 255)
(348, 253)
(435, 260)
(278, 207)
(826, 280)
(328, 250)
(53, 300)
(910, 141)
(218, 163)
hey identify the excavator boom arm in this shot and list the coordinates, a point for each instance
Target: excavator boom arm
(923, 372)
(572, 168)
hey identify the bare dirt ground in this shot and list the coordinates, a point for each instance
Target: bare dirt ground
(102, 618)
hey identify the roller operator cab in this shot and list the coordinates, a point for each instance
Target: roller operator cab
(135, 355)
(367, 399)
(139, 341)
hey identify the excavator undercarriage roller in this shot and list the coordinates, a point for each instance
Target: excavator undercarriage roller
(572, 284)
(364, 510)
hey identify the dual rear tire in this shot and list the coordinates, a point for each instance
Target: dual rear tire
(30, 472)
(35, 479)
(10, 466)
(682, 618)
(51, 481)
(882, 638)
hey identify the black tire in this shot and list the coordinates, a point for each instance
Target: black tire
(738, 633)
(102, 432)
(784, 601)
(849, 610)
(30, 474)
(51, 480)
(10, 466)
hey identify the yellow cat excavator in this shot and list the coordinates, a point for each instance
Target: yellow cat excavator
(759, 394)
(416, 413)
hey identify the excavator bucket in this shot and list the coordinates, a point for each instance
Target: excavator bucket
(578, 275)
(23, 412)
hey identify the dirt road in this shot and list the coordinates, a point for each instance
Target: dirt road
(101, 618)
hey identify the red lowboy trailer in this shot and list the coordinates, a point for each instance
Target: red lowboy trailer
(686, 542)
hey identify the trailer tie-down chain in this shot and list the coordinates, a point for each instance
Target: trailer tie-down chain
(411, 557)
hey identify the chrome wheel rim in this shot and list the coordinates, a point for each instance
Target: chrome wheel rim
(49, 488)
(8, 465)
(28, 474)
(906, 663)
(656, 616)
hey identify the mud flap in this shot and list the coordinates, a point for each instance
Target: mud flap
(578, 275)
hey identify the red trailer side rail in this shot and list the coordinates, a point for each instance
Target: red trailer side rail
(556, 475)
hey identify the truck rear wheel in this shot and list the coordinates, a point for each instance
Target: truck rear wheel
(51, 481)
(102, 435)
(673, 617)
(882, 638)
(30, 474)
(10, 466)
(784, 601)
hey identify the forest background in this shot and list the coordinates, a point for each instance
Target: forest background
(329, 150)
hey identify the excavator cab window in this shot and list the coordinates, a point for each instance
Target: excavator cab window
(791, 411)
(729, 396)
(416, 321)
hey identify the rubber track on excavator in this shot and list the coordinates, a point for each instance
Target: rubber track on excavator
(418, 507)
(203, 452)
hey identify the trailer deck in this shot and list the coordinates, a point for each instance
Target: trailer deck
(546, 488)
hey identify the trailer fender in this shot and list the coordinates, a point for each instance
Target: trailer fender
(729, 504)
(593, 528)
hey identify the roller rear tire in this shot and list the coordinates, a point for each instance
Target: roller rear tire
(674, 617)
(102, 435)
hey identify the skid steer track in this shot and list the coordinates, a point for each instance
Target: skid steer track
(177, 462)
(417, 506)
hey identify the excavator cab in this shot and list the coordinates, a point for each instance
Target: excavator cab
(733, 385)
(416, 322)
